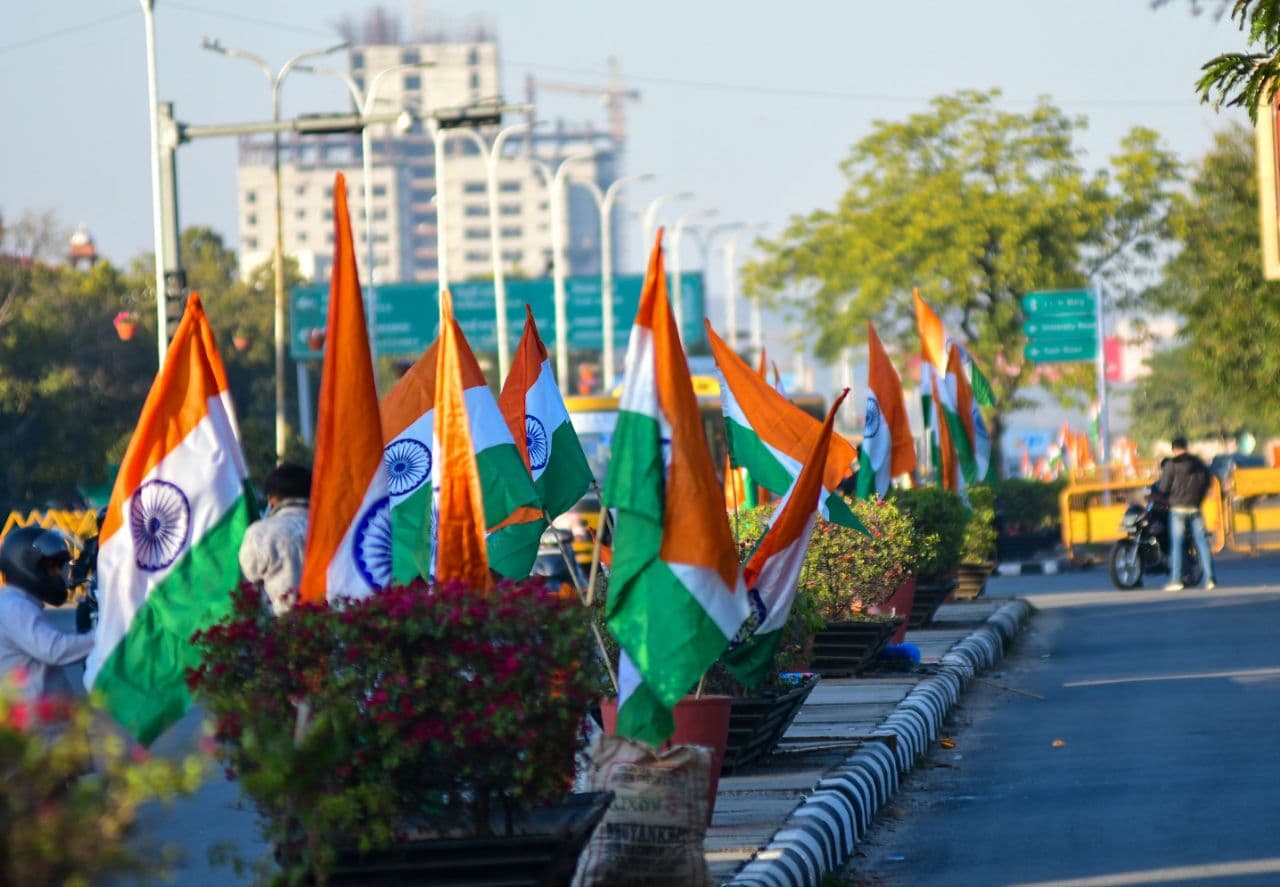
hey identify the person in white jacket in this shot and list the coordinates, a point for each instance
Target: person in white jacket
(272, 549)
(35, 562)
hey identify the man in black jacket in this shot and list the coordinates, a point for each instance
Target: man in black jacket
(1185, 480)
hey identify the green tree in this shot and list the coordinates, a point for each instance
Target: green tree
(976, 206)
(1245, 79)
(1231, 315)
(1176, 398)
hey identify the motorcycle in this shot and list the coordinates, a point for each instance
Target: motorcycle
(1145, 548)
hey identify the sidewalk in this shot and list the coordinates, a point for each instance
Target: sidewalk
(800, 813)
(785, 821)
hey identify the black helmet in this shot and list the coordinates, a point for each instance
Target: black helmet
(25, 558)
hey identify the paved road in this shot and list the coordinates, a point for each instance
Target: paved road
(1151, 758)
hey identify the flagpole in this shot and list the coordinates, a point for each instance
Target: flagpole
(582, 596)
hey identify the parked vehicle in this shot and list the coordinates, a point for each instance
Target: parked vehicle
(1145, 548)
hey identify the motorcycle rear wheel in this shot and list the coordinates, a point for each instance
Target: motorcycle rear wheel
(1125, 564)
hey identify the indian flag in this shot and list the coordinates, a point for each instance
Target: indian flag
(539, 424)
(349, 528)
(512, 512)
(675, 596)
(773, 570)
(970, 414)
(888, 449)
(960, 406)
(169, 543)
(770, 436)
(460, 536)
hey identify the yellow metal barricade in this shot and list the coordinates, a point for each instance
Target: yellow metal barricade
(80, 524)
(1091, 511)
(1252, 502)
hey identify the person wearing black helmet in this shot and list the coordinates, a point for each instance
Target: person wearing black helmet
(35, 562)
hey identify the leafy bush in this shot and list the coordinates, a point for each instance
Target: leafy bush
(938, 515)
(431, 706)
(1028, 506)
(71, 791)
(980, 529)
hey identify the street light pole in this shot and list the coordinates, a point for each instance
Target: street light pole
(276, 80)
(651, 218)
(604, 203)
(157, 211)
(555, 187)
(677, 234)
(364, 101)
(492, 154)
(731, 282)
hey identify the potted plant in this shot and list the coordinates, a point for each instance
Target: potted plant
(126, 324)
(241, 340)
(939, 518)
(71, 791)
(417, 729)
(978, 544)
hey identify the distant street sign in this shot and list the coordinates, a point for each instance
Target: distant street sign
(407, 313)
(1080, 326)
(1061, 350)
(1055, 303)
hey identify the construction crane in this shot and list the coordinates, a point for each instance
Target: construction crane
(614, 97)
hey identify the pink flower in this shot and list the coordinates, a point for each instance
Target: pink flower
(20, 716)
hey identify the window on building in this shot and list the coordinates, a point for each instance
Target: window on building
(475, 256)
(410, 57)
(328, 193)
(251, 197)
(357, 60)
(300, 190)
(476, 210)
(509, 209)
(473, 188)
(509, 187)
(379, 190)
(473, 57)
(328, 215)
(477, 233)
(251, 243)
(512, 255)
(511, 232)
(300, 214)
(379, 215)
(302, 236)
(475, 80)
(328, 238)
(421, 195)
(412, 82)
(251, 219)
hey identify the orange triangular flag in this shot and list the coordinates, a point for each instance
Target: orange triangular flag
(933, 338)
(883, 379)
(461, 555)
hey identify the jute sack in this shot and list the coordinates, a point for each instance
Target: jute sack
(653, 831)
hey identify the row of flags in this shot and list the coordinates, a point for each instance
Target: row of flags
(442, 480)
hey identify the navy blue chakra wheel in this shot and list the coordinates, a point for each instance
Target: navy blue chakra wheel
(160, 524)
(373, 544)
(535, 439)
(871, 424)
(408, 464)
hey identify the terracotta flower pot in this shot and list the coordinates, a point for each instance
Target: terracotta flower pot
(241, 341)
(700, 720)
(900, 605)
(125, 327)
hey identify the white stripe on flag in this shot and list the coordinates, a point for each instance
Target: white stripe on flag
(728, 611)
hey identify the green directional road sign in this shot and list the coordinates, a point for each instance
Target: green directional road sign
(407, 313)
(1056, 303)
(1061, 351)
(1079, 326)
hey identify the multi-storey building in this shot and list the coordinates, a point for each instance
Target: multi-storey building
(405, 225)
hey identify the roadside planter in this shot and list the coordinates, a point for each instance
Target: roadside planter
(979, 544)
(940, 518)
(844, 649)
(757, 723)
(930, 595)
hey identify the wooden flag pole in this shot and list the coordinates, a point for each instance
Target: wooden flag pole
(585, 597)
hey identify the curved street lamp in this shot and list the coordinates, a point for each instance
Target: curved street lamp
(276, 79)
(604, 203)
(651, 218)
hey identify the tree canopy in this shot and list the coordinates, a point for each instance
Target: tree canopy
(1245, 79)
(976, 206)
(1231, 315)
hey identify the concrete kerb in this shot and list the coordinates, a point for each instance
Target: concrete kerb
(821, 833)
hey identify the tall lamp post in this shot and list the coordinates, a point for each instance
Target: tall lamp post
(276, 79)
(677, 234)
(555, 190)
(364, 101)
(157, 211)
(731, 281)
(492, 153)
(651, 219)
(604, 203)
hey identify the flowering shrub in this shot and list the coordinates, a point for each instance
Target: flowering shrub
(979, 544)
(881, 562)
(71, 791)
(424, 706)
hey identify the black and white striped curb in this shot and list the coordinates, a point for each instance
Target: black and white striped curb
(1032, 568)
(820, 834)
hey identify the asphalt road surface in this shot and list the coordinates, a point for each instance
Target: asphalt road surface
(1147, 754)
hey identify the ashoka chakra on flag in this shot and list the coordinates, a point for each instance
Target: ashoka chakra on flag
(408, 464)
(160, 524)
(373, 544)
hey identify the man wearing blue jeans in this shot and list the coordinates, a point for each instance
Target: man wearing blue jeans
(1184, 481)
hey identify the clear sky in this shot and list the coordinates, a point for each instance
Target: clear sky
(750, 104)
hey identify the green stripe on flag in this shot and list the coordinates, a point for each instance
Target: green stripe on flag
(567, 476)
(642, 716)
(505, 485)
(411, 536)
(753, 660)
(513, 549)
(866, 479)
(143, 680)
(747, 450)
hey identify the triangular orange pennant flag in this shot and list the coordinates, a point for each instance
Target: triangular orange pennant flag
(933, 338)
(883, 379)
